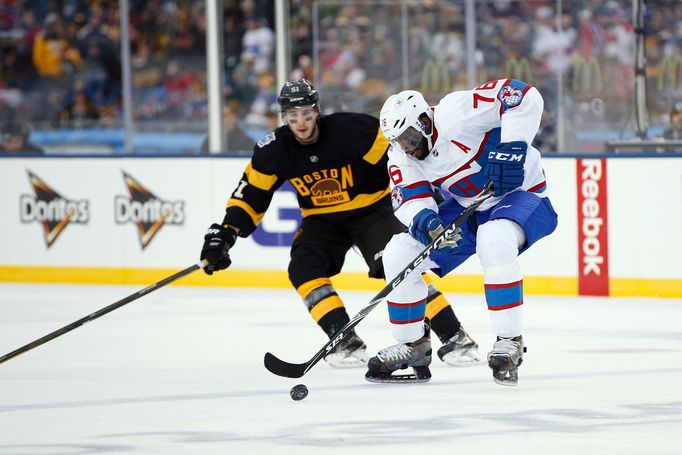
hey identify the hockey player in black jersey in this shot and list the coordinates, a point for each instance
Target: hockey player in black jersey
(337, 164)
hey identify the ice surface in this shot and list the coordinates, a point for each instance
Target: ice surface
(180, 371)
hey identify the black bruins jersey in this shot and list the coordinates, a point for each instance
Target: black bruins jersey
(339, 175)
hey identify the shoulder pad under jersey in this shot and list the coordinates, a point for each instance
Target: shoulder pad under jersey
(451, 109)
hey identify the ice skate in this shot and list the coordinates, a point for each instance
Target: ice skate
(349, 353)
(416, 354)
(505, 359)
(460, 350)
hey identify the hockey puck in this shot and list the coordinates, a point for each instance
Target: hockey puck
(298, 392)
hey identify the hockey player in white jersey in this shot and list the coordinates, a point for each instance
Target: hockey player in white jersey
(469, 138)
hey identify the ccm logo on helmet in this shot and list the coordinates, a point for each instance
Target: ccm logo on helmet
(501, 156)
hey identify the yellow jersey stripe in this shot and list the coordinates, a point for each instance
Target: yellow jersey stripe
(255, 216)
(360, 201)
(378, 148)
(258, 179)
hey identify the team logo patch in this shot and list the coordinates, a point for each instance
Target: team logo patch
(267, 139)
(510, 96)
(396, 197)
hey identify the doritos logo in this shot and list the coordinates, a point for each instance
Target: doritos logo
(51, 209)
(146, 211)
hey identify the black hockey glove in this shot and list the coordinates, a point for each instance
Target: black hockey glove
(217, 243)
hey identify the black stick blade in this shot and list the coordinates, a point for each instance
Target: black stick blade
(282, 368)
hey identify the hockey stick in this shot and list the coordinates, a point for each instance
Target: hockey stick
(103, 311)
(296, 370)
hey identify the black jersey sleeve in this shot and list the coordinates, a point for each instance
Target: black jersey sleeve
(253, 194)
(372, 143)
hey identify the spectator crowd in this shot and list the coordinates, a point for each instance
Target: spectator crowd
(60, 63)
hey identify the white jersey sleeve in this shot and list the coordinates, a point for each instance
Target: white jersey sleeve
(513, 106)
(521, 122)
(468, 126)
(411, 191)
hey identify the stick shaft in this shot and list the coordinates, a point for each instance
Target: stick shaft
(296, 370)
(101, 312)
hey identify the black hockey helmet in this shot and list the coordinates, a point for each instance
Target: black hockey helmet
(16, 129)
(297, 94)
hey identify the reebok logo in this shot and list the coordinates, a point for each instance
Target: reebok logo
(592, 235)
(592, 221)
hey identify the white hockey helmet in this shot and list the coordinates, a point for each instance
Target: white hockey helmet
(400, 119)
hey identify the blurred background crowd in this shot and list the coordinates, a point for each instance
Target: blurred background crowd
(60, 65)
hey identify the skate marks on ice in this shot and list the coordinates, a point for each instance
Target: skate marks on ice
(453, 428)
(63, 449)
(443, 385)
(139, 400)
(159, 377)
(363, 417)
(372, 433)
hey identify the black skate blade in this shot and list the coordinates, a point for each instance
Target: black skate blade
(420, 375)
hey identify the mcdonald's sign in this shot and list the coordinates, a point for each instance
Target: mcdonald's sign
(520, 69)
(588, 76)
(671, 67)
(434, 74)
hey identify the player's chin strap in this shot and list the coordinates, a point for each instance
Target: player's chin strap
(296, 370)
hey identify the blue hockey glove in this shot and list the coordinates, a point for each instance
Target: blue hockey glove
(217, 243)
(427, 225)
(505, 166)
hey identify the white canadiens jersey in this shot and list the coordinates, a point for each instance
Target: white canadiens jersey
(468, 125)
